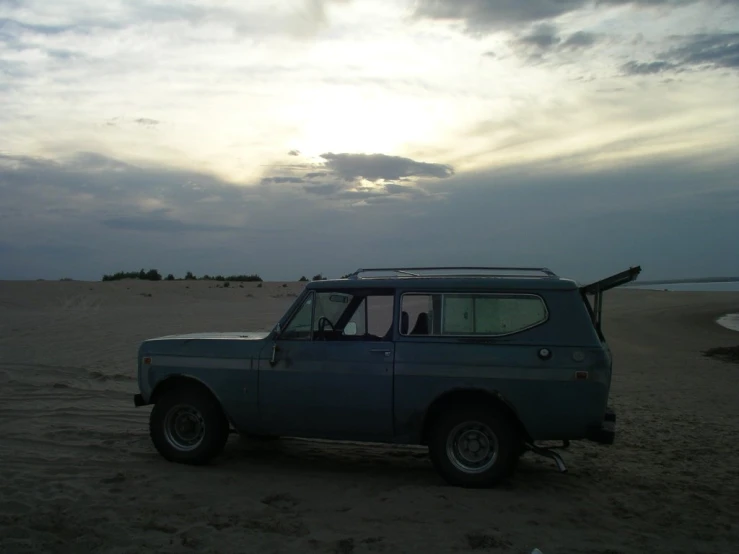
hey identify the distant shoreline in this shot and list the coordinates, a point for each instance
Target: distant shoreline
(697, 281)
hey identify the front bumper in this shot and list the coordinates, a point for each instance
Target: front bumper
(606, 433)
(138, 400)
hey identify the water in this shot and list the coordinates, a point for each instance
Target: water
(730, 321)
(731, 286)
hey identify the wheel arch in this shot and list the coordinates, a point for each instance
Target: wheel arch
(179, 380)
(464, 397)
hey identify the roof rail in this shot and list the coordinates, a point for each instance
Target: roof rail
(481, 271)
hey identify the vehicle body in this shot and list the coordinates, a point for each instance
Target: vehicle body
(476, 363)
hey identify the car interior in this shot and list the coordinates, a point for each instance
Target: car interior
(343, 329)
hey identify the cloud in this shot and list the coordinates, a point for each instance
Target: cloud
(314, 15)
(647, 68)
(162, 225)
(580, 39)
(700, 51)
(418, 131)
(720, 50)
(323, 189)
(281, 180)
(489, 15)
(147, 121)
(542, 37)
(545, 39)
(374, 167)
(91, 215)
(294, 153)
(77, 17)
(354, 177)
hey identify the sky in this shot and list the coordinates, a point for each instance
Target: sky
(295, 137)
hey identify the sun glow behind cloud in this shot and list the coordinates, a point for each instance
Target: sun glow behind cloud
(246, 122)
(229, 89)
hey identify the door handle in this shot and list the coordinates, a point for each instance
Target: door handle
(386, 352)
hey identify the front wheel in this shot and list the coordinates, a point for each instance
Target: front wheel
(474, 446)
(187, 426)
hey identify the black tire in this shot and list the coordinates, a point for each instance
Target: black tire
(493, 429)
(200, 414)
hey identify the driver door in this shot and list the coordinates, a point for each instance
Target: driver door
(322, 383)
(288, 370)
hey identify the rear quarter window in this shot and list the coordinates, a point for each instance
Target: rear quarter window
(472, 314)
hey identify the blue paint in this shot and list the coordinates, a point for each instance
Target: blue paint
(380, 388)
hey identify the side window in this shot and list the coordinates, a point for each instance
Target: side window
(472, 314)
(373, 317)
(417, 314)
(299, 327)
(359, 319)
(330, 305)
(491, 314)
(350, 317)
(459, 315)
(379, 314)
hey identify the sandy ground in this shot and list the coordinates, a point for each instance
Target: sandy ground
(79, 474)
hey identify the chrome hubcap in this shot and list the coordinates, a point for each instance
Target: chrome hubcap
(184, 427)
(472, 447)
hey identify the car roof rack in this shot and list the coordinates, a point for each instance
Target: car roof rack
(468, 271)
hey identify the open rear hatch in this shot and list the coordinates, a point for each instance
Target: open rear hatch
(597, 289)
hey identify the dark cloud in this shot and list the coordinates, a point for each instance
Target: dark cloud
(26, 25)
(484, 16)
(374, 167)
(11, 26)
(13, 69)
(488, 15)
(146, 121)
(388, 191)
(646, 68)
(294, 153)
(343, 173)
(702, 51)
(281, 180)
(675, 217)
(159, 224)
(580, 39)
(323, 189)
(64, 55)
(719, 50)
(394, 188)
(545, 39)
(407, 190)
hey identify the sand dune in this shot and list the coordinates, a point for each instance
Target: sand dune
(79, 473)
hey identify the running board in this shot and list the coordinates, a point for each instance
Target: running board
(549, 452)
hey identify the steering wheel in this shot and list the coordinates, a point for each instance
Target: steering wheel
(322, 322)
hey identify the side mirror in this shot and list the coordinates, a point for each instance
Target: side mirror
(350, 329)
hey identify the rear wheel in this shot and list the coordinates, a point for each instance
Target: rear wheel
(474, 446)
(187, 426)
